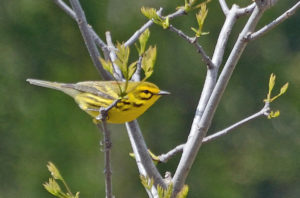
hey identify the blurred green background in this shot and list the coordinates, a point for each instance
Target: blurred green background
(37, 125)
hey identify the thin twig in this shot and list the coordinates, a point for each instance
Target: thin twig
(274, 23)
(245, 10)
(72, 14)
(178, 13)
(224, 6)
(112, 54)
(166, 156)
(140, 31)
(88, 39)
(137, 74)
(263, 112)
(107, 147)
(193, 40)
(103, 113)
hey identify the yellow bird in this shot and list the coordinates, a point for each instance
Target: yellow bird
(92, 95)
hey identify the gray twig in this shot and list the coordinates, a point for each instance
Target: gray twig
(263, 112)
(112, 54)
(245, 10)
(72, 14)
(140, 31)
(107, 147)
(137, 74)
(103, 112)
(88, 38)
(274, 23)
(193, 40)
(224, 6)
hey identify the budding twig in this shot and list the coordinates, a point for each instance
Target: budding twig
(263, 112)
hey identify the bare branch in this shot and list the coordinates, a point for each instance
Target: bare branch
(65, 8)
(138, 33)
(224, 6)
(274, 23)
(165, 157)
(72, 14)
(264, 111)
(107, 146)
(88, 39)
(211, 75)
(178, 13)
(199, 129)
(144, 161)
(193, 40)
(223, 132)
(246, 10)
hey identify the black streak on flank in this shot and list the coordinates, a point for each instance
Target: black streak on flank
(125, 102)
(137, 104)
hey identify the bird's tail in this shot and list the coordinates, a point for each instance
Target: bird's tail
(53, 85)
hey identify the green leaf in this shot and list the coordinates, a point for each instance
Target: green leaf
(166, 23)
(201, 16)
(143, 39)
(146, 182)
(77, 195)
(284, 88)
(168, 192)
(122, 58)
(271, 84)
(151, 14)
(131, 69)
(107, 65)
(52, 187)
(184, 192)
(160, 191)
(148, 61)
(273, 114)
(54, 171)
(282, 91)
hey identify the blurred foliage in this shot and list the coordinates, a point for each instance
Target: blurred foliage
(38, 40)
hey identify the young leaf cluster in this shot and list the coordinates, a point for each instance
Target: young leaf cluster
(54, 188)
(151, 14)
(163, 193)
(191, 5)
(270, 99)
(201, 16)
(148, 58)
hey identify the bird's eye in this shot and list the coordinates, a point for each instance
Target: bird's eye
(146, 91)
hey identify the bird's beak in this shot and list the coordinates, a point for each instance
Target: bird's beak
(163, 93)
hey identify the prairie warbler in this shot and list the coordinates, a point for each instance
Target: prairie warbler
(92, 95)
